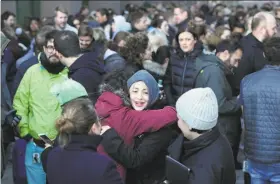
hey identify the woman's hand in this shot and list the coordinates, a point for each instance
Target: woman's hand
(104, 129)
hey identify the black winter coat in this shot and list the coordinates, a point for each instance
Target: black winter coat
(209, 157)
(88, 71)
(79, 162)
(252, 59)
(146, 159)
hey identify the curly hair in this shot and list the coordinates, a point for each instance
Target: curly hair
(135, 48)
(116, 82)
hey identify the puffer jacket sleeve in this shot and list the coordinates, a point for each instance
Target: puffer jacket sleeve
(21, 103)
(139, 122)
(215, 79)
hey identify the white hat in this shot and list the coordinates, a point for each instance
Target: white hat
(198, 108)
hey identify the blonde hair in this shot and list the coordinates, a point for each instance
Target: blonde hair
(156, 40)
(220, 30)
(99, 35)
(77, 117)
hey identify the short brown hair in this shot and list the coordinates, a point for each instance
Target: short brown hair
(61, 9)
(85, 30)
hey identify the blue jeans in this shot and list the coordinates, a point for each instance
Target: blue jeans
(263, 173)
(34, 168)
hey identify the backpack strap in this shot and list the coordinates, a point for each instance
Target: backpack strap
(6, 91)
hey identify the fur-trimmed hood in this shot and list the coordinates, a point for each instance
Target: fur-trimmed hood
(120, 92)
(154, 67)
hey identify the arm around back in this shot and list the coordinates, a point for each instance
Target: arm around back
(150, 120)
(145, 152)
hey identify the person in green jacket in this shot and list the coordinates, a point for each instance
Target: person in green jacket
(38, 107)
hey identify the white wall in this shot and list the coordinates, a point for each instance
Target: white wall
(48, 7)
(8, 5)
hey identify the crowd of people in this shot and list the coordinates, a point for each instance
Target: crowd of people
(105, 98)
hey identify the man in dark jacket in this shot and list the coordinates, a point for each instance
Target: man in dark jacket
(263, 27)
(260, 97)
(181, 17)
(212, 72)
(83, 68)
(201, 147)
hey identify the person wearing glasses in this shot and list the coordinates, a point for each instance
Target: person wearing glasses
(38, 108)
(43, 45)
(214, 71)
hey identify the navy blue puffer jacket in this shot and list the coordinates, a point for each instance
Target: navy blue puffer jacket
(183, 70)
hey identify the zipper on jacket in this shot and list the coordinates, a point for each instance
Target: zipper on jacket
(183, 76)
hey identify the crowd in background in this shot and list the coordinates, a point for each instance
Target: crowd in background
(118, 93)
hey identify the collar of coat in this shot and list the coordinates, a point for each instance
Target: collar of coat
(183, 147)
(104, 87)
(154, 67)
(84, 142)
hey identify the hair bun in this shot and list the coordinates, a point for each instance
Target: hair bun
(65, 125)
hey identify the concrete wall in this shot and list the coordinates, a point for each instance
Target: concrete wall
(115, 5)
(8, 5)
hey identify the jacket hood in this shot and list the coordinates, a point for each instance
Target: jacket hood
(109, 102)
(119, 92)
(89, 61)
(154, 67)
(121, 24)
(210, 59)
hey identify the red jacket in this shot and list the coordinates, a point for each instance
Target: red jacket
(130, 123)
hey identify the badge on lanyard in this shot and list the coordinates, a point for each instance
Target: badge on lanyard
(36, 158)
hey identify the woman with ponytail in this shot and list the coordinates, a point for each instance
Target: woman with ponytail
(75, 159)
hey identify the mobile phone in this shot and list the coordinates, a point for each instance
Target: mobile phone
(46, 139)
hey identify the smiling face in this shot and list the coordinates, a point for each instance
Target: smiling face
(186, 41)
(85, 41)
(139, 95)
